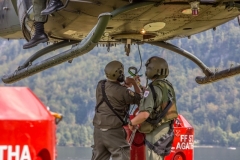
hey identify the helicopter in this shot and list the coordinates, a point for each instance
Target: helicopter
(85, 24)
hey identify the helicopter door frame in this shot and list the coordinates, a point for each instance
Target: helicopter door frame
(4, 4)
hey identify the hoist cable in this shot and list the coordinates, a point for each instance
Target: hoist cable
(140, 59)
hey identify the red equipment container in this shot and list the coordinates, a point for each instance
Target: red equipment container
(183, 143)
(28, 130)
(138, 146)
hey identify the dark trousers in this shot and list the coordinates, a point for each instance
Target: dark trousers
(111, 143)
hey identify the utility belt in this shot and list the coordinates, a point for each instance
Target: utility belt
(104, 129)
(163, 146)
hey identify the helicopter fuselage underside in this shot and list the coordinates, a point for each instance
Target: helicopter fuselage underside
(77, 19)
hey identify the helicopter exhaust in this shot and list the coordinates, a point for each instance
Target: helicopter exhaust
(218, 75)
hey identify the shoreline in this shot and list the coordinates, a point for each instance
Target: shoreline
(209, 146)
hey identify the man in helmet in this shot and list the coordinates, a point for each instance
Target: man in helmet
(113, 101)
(40, 12)
(157, 110)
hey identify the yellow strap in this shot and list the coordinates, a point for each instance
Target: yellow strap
(56, 115)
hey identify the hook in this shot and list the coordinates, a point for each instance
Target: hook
(108, 47)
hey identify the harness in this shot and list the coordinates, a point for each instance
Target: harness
(163, 146)
(105, 99)
(159, 114)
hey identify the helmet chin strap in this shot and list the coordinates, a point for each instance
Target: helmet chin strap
(121, 78)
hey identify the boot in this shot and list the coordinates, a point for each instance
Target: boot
(39, 36)
(52, 6)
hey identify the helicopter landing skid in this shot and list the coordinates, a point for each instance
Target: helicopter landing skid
(46, 50)
(83, 47)
(86, 45)
(210, 76)
(227, 73)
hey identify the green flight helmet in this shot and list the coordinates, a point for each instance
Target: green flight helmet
(156, 67)
(114, 71)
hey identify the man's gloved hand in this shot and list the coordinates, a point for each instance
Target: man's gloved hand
(129, 81)
(137, 80)
(132, 127)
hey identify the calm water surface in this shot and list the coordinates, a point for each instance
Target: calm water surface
(80, 153)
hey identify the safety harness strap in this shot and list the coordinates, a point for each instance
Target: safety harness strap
(164, 112)
(161, 115)
(105, 99)
(153, 92)
(163, 146)
(96, 108)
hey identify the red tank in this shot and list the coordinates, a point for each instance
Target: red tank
(138, 146)
(27, 127)
(183, 143)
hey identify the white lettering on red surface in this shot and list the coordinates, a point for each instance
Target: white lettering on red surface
(186, 142)
(14, 152)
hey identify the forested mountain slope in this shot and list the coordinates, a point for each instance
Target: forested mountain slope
(213, 109)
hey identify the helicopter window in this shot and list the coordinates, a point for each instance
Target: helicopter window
(2, 3)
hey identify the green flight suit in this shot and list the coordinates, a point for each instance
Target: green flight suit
(109, 135)
(153, 134)
(38, 6)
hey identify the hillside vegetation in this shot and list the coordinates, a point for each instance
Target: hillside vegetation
(213, 109)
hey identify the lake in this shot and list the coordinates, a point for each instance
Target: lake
(200, 153)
